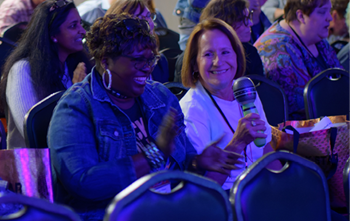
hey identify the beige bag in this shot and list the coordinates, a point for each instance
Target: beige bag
(316, 146)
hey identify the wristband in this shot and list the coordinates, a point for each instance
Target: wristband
(155, 157)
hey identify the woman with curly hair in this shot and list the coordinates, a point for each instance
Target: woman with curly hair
(103, 129)
(49, 57)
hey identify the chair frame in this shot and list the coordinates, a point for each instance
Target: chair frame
(144, 183)
(36, 203)
(30, 136)
(273, 84)
(308, 101)
(177, 85)
(251, 172)
(346, 183)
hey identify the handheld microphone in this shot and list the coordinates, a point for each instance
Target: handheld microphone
(245, 94)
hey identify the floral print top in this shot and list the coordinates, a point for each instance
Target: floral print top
(291, 66)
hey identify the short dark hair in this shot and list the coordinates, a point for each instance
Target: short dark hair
(340, 6)
(109, 37)
(230, 11)
(306, 6)
(190, 56)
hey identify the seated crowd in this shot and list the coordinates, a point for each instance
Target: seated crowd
(115, 110)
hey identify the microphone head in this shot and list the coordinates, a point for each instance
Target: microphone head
(244, 90)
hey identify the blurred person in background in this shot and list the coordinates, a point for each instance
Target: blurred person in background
(16, 11)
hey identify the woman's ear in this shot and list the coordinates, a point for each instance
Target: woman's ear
(300, 16)
(104, 63)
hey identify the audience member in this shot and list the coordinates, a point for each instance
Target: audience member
(45, 61)
(294, 50)
(344, 54)
(236, 14)
(213, 59)
(115, 116)
(260, 22)
(159, 21)
(189, 16)
(16, 11)
(138, 8)
(338, 30)
(90, 10)
(274, 9)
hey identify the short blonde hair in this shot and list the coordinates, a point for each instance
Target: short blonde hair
(189, 79)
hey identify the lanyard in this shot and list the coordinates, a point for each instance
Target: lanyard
(318, 61)
(223, 115)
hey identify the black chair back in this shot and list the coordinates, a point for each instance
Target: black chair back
(327, 94)
(167, 38)
(273, 99)
(3, 145)
(177, 89)
(37, 120)
(194, 198)
(299, 191)
(24, 208)
(171, 55)
(14, 32)
(6, 48)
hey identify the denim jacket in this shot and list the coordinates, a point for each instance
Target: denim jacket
(92, 141)
(190, 9)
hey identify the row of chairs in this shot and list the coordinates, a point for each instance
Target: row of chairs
(298, 191)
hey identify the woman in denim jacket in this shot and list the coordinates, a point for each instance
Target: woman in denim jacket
(104, 128)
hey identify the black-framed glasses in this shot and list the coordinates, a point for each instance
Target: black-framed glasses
(134, 25)
(59, 4)
(140, 63)
(247, 18)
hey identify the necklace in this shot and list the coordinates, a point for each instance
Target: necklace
(117, 94)
(322, 65)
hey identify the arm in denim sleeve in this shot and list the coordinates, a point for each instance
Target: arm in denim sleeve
(74, 152)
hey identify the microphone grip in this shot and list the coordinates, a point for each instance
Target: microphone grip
(250, 108)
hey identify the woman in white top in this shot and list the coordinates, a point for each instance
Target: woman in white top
(49, 57)
(213, 59)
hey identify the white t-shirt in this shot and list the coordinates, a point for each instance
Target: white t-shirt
(205, 124)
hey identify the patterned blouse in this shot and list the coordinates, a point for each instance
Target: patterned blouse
(291, 66)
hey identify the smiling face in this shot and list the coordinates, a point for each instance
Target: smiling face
(126, 79)
(243, 31)
(216, 62)
(317, 23)
(70, 36)
(146, 15)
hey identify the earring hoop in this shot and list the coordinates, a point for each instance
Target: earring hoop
(108, 87)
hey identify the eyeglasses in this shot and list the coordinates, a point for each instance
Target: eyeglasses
(249, 17)
(58, 4)
(141, 63)
(134, 25)
(152, 16)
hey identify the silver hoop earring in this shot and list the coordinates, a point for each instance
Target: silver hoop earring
(108, 87)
